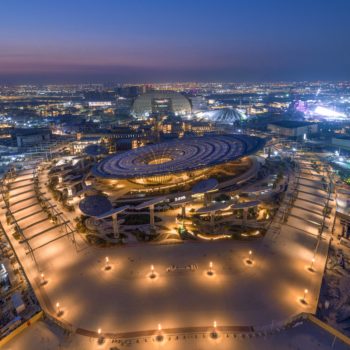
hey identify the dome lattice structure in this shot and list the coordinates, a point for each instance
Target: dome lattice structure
(223, 116)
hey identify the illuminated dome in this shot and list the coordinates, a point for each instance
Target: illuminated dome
(160, 102)
(176, 162)
(223, 116)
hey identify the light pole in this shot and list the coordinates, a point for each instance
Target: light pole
(210, 272)
(43, 280)
(249, 260)
(311, 267)
(250, 257)
(152, 274)
(107, 265)
(100, 339)
(59, 311)
(304, 296)
(214, 333)
(159, 336)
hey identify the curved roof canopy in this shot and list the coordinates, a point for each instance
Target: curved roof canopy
(177, 156)
(205, 186)
(151, 202)
(95, 205)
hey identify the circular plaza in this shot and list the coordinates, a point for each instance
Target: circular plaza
(175, 163)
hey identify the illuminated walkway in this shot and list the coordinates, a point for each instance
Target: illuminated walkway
(124, 299)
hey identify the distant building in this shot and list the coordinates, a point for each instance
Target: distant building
(31, 137)
(123, 105)
(81, 142)
(198, 127)
(130, 91)
(161, 102)
(127, 144)
(199, 103)
(293, 128)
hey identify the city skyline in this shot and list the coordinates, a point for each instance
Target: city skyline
(152, 41)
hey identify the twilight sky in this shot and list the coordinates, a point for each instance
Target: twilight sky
(173, 40)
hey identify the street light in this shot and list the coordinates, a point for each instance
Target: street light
(250, 259)
(152, 274)
(159, 336)
(214, 333)
(304, 296)
(58, 310)
(43, 280)
(210, 272)
(311, 267)
(107, 265)
(100, 339)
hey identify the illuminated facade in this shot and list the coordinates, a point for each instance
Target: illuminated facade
(223, 116)
(163, 102)
(175, 163)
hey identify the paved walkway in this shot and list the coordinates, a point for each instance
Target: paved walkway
(124, 299)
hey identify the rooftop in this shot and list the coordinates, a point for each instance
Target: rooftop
(177, 156)
(291, 124)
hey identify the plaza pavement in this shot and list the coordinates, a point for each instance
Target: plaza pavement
(125, 299)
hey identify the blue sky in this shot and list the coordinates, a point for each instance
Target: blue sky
(168, 40)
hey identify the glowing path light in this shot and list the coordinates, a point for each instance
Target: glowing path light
(100, 339)
(250, 259)
(159, 336)
(311, 267)
(107, 265)
(214, 333)
(152, 275)
(303, 300)
(59, 311)
(43, 280)
(210, 272)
